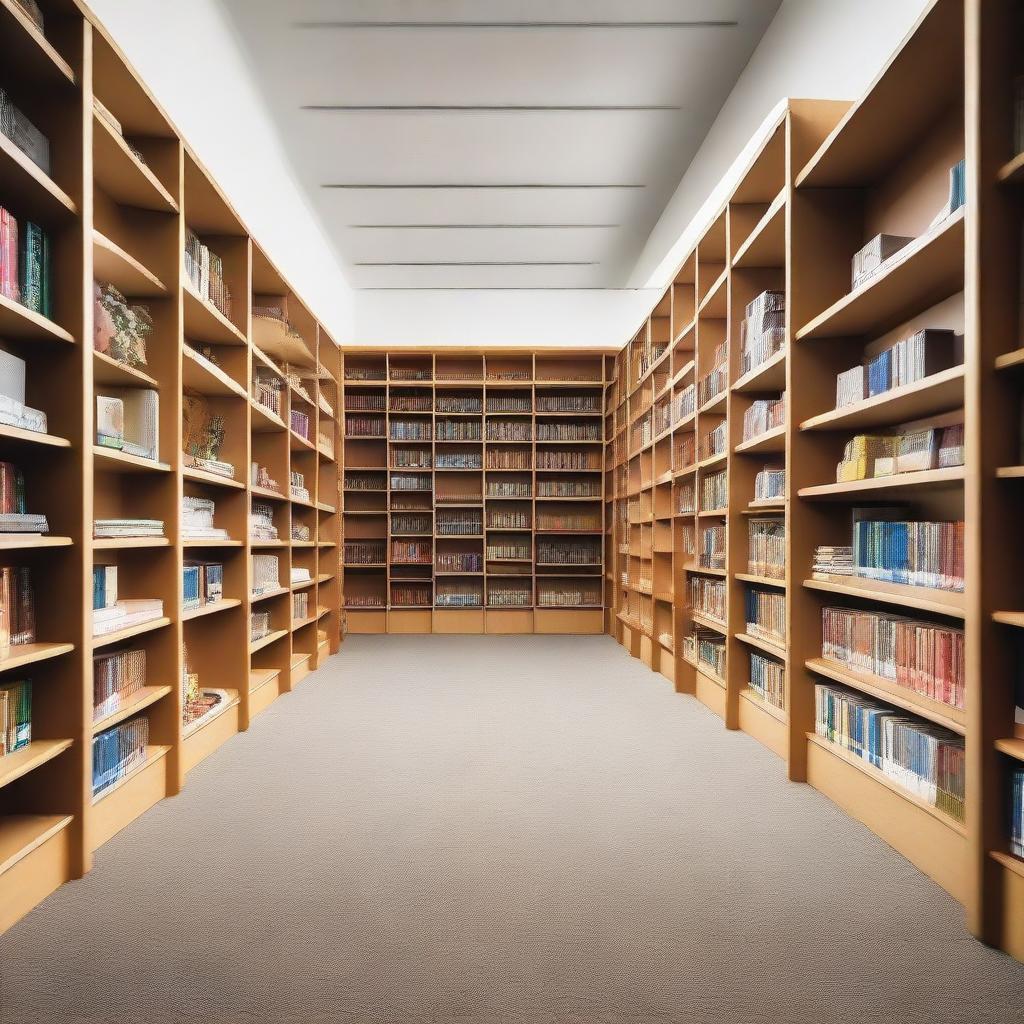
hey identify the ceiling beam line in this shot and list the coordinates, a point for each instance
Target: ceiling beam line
(543, 25)
(477, 263)
(481, 227)
(480, 185)
(488, 108)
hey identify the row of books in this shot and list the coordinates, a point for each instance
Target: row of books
(354, 481)
(299, 423)
(921, 656)
(770, 486)
(202, 584)
(508, 519)
(419, 552)
(768, 679)
(14, 515)
(409, 430)
(568, 489)
(510, 458)
(922, 554)
(457, 430)
(568, 552)
(410, 401)
(906, 361)
(16, 126)
(15, 716)
(365, 401)
(686, 498)
(568, 460)
(364, 426)
(569, 431)
(766, 547)
(716, 381)
(411, 482)
(568, 522)
(459, 460)
(205, 270)
(568, 595)
(117, 751)
(706, 649)
(763, 415)
(514, 594)
(300, 605)
(403, 522)
(364, 552)
(714, 491)
(504, 488)
(765, 612)
(459, 561)
(464, 403)
(707, 595)
(26, 275)
(268, 390)
(580, 402)
(450, 522)
(714, 442)
(762, 330)
(684, 451)
(509, 430)
(451, 595)
(924, 759)
(116, 677)
(712, 548)
(901, 450)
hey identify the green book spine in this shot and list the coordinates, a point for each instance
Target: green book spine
(46, 279)
(31, 267)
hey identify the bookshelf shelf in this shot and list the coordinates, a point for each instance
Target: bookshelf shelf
(120, 173)
(21, 834)
(765, 581)
(154, 752)
(928, 270)
(111, 263)
(211, 608)
(1011, 747)
(17, 321)
(767, 377)
(766, 244)
(29, 189)
(138, 701)
(260, 677)
(201, 476)
(778, 650)
(926, 599)
(204, 322)
(886, 486)
(32, 437)
(945, 715)
(124, 543)
(30, 757)
(113, 461)
(32, 57)
(110, 371)
(106, 639)
(770, 441)
(29, 654)
(934, 394)
(266, 641)
(21, 541)
(202, 542)
(267, 594)
(200, 375)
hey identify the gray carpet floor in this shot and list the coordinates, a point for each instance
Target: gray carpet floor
(481, 829)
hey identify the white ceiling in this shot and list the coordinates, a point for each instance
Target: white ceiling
(303, 54)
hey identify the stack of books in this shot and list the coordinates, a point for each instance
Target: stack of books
(23, 133)
(832, 560)
(205, 270)
(15, 716)
(17, 607)
(197, 519)
(127, 528)
(261, 522)
(763, 330)
(873, 257)
(13, 517)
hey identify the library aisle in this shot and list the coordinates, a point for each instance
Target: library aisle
(489, 829)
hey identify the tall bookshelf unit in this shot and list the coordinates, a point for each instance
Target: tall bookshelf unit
(116, 208)
(827, 179)
(473, 491)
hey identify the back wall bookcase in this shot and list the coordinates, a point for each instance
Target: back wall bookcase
(813, 474)
(233, 355)
(474, 491)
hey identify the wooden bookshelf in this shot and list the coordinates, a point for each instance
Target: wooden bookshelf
(474, 491)
(826, 179)
(116, 207)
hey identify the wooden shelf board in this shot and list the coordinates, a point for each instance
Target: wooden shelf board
(773, 440)
(266, 641)
(138, 701)
(154, 752)
(884, 689)
(29, 192)
(193, 729)
(120, 173)
(943, 602)
(203, 477)
(106, 639)
(302, 584)
(767, 581)
(199, 374)
(210, 608)
(1015, 619)
(702, 570)
(21, 541)
(937, 393)
(205, 542)
(268, 594)
(30, 757)
(265, 492)
(204, 322)
(707, 620)
(774, 649)
(28, 654)
(880, 486)
(116, 543)
(264, 420)
(114, 461)
(769, 376)
(259, 677)
(1012, 747)
(928, 270)
(751, 695)
(21, 834)
(18, 321)
(112, 264)
(31, 56)
(106, 370)
(765, 246)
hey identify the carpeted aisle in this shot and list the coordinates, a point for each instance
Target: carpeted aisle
(481, 829)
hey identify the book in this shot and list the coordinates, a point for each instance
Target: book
(117, 751)
(116, 677)
(128, 419)
(104, 528)
(871, 258)
(15, 716)
(9, 248)
(23, 133)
